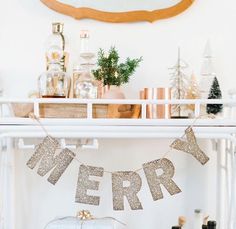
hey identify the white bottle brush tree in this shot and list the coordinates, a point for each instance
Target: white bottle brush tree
(215, 93)
(207, 71)
(179, 83)
(193, 91)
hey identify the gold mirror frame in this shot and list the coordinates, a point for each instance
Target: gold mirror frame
(118, 17)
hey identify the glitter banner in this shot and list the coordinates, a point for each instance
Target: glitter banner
(130, 192)
(45, 154)
(125, 184)
(191, 146)
(165, 179)
(84, 184)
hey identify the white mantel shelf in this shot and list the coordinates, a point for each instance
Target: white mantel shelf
(219, 128)
(14, 127)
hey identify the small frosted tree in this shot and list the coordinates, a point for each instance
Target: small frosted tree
(207, 71)
(193, 91)
(179, 83)
(215, 93)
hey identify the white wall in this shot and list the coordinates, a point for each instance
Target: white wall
(24, 26)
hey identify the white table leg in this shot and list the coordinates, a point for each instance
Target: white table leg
(7, 187)
(220, 211)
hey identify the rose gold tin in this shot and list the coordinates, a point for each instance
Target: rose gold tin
(157, 111)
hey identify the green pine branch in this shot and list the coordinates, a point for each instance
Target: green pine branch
(111, 72)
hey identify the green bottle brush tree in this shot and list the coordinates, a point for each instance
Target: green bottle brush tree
(215, 93)
(111, 72)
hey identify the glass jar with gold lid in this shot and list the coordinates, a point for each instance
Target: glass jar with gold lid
(54, 83)
(85, 86)
(58, 39)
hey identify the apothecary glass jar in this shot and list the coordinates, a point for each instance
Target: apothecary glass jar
(58, 39)
(54, 83)
(85, 86)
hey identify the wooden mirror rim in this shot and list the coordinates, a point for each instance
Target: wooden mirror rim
(118, 17)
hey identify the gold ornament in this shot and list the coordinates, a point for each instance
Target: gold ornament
(130, 192)
(85, 215)
(165, 179)
(84, 184)
(190, 146)
(45, 154)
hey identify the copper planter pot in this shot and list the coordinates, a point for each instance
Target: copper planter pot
(157, 111)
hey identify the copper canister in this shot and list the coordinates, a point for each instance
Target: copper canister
(157, 111)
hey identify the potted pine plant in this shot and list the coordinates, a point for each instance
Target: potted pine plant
(114, 74)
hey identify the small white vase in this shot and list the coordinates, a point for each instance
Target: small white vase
(113, 92)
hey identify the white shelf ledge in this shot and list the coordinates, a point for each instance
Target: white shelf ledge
(118, 128)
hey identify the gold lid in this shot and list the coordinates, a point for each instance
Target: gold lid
(57, 27)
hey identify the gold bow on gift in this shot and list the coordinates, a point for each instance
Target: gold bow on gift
(85, 215)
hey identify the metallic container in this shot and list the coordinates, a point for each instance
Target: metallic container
(157, 111)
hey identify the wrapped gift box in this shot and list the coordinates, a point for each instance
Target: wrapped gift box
(76, 223)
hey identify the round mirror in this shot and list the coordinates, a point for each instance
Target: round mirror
(120, 10)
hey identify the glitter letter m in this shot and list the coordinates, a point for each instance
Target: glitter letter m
(45, 153)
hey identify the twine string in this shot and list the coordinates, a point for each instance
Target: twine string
(37, 119)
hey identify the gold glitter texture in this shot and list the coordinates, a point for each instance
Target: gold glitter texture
(130, 192)
(191, 146)
(165, 179)
(45, 153)
(85, 184)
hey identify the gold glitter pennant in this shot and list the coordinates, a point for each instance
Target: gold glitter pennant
(130, 192)
(191, 146)
(85, 184)
(45, 154)
(165, 179)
